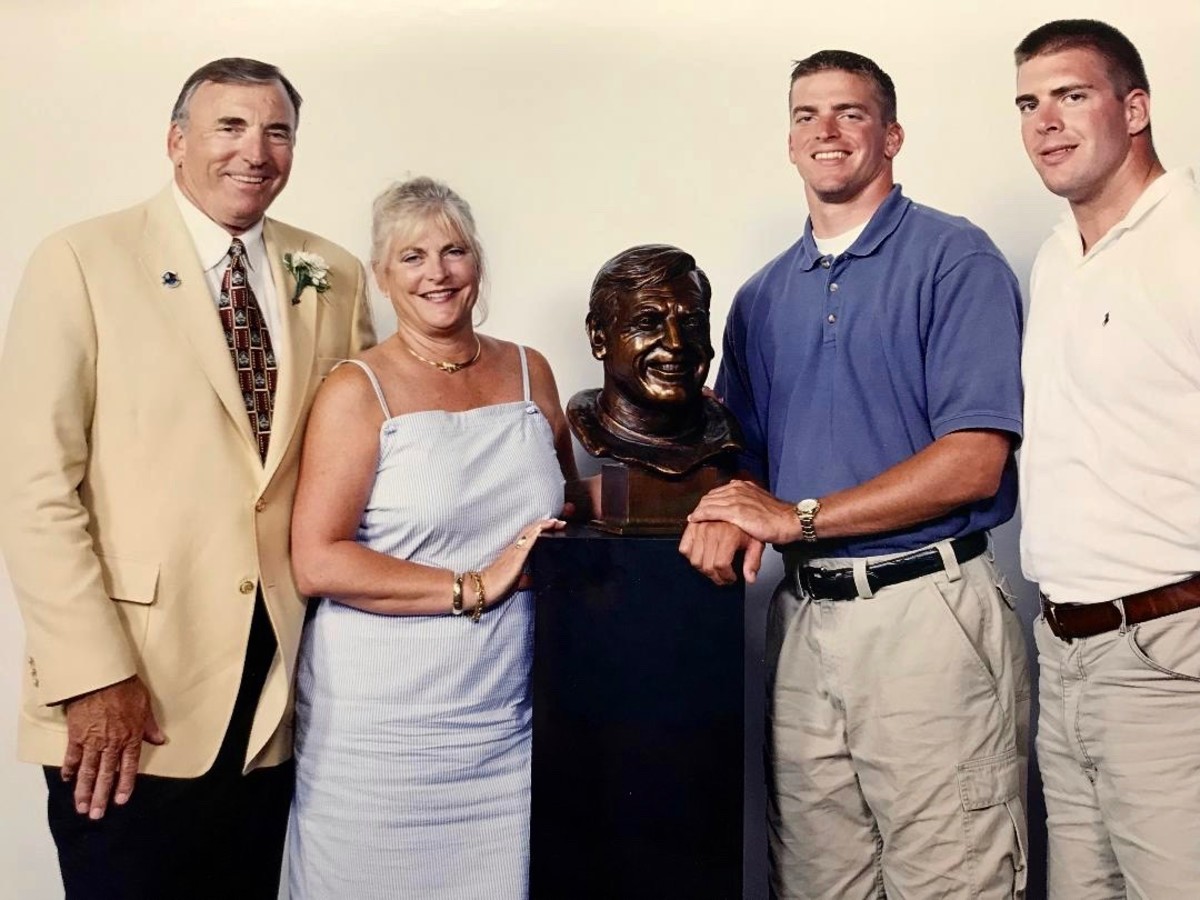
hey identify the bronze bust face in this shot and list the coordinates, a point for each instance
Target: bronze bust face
(648, 323)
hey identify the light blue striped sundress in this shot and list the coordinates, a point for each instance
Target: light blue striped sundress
(413, 732)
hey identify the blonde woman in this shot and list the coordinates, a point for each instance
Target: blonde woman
(431, 465)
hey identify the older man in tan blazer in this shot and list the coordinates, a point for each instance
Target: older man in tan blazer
(159, 367)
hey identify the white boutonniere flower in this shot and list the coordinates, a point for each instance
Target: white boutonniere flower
(309, 270)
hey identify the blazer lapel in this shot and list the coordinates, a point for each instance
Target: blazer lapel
(298, 323)
(168, 248)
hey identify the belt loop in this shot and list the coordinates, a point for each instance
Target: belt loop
(1119, 603)
(949, 560)
(861, 584)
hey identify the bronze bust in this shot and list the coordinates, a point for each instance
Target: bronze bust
(648, 323)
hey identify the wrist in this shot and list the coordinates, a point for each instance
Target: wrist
(480, 595)
(788, 530)
(806, 512)
(456, 594)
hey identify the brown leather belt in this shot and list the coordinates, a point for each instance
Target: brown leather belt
(1071, 621)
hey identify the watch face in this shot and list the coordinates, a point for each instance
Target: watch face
(807, 507)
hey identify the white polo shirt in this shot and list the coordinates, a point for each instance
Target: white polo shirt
(1110, 466)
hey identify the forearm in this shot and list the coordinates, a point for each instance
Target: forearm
(957, 469)
(954, 470)
(357, 576)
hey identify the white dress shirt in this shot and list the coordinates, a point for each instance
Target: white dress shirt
(1110, 467)
(212, 247)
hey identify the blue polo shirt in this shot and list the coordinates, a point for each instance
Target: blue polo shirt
(840, 368)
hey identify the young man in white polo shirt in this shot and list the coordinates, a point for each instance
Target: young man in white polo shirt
(1110, 473)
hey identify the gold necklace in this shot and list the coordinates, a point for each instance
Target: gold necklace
(448, 367)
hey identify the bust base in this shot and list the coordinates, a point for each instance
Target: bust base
(638, 723)
(635, 501)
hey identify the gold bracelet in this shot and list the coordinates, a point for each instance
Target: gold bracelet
(479, 597)
(456, 598)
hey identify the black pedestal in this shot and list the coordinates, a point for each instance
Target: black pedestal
(637, 738)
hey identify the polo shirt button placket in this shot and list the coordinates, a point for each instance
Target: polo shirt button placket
(831, 301)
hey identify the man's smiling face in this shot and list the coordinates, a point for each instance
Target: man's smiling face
(233, 153)
(838, 140)
(1076, 129)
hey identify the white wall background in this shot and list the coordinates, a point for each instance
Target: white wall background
(575, 130)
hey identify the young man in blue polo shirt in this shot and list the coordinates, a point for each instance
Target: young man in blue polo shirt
(875, 368)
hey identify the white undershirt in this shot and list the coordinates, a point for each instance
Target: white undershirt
(1110, 466)
(212, 247)
(839, 243)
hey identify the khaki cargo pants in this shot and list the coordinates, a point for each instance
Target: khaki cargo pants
(897, 740)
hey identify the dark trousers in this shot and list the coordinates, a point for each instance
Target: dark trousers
(219, 835)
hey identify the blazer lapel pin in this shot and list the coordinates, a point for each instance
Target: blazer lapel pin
(171, 280)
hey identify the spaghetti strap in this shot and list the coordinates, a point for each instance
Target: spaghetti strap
(387, 413)
(524, 372)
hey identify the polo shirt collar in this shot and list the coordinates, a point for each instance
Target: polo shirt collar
(883, 222)
(1068, 231)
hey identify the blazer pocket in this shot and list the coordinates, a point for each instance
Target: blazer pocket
(129, 579)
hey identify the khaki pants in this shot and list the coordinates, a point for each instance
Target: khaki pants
(1119, 747)
(897, 740)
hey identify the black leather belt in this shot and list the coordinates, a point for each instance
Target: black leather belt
(838, 584)
(1071, 621)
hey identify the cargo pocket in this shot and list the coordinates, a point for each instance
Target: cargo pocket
(132, 585)
(994, 820)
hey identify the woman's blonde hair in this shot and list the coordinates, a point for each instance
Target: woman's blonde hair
(402, 211)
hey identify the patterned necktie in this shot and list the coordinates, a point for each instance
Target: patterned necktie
(249, 345)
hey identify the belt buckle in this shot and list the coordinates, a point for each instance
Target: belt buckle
(814, 582)
(822, 584)
(1051, 614)
(804, 581)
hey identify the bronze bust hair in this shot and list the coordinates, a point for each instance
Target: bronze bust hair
(648, 323)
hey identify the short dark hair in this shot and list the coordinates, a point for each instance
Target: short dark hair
(1121, 58)
(232, 70)
(636, 269)
(856, 64)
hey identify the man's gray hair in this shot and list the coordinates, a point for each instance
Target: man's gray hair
(232, 70)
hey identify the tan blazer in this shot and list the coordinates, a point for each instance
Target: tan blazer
(136, 518)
